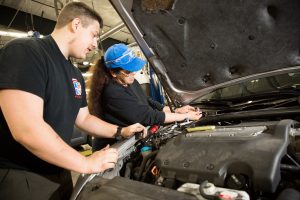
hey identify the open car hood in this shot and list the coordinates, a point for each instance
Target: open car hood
(197, 46)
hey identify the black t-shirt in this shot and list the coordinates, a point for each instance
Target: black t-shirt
(37, 66)
(127, 105)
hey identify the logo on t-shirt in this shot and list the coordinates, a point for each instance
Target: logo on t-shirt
(77, 87)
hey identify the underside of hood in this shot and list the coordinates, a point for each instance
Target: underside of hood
(197, 46)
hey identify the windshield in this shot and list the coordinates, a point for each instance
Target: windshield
(290, 81)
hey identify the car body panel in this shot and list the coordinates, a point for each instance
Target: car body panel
(198, 46)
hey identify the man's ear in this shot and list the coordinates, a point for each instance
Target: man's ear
(75, 24)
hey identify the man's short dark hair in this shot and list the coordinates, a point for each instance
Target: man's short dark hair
(77, 10)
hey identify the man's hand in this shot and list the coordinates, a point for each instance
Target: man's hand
(132, 129)
(102, 160)
(185, 109)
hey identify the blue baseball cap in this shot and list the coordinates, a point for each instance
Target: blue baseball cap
(121, 56)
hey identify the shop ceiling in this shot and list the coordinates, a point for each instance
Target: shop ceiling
(40, 15)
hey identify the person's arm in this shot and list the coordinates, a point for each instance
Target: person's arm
(186, 109)
(191, 115)
(23, 113)
(182, 110)
(155, 104)
(128, 108)
(100, 128)
(167, 109)
(185, 112)
(122, 104)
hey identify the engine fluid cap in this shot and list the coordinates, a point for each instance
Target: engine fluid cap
(153, 129)
(209, 188)
(146, 148)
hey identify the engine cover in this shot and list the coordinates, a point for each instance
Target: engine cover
(250, 150)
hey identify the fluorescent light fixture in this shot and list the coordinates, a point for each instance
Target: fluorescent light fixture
(85, 63)
(13, 34)
(17, 34)
(88, 74)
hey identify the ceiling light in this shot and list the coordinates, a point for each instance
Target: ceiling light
(87, 74)
(13, 34)
(20, 34)
(85, 63)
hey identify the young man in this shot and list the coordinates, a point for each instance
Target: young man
(42, 96)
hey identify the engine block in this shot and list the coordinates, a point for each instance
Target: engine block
(250, 151)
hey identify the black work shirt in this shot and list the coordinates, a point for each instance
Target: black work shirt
(38, 66)
(128, 105)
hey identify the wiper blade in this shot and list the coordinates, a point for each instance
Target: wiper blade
(215, 102)
(268, 99)
(268, 102)
(250, 104)
(282, 93)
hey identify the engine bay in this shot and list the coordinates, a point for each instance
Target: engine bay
(248, 160)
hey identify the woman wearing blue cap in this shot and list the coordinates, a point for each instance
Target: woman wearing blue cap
(118, 98)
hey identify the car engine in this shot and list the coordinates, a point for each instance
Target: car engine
(240, 160)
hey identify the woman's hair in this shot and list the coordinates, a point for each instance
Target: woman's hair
(101, 76)
(97, 82)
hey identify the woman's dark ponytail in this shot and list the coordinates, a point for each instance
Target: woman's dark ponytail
(96, 84)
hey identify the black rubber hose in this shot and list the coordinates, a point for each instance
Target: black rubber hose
(290, 167)
(147, 170)
(145, 159)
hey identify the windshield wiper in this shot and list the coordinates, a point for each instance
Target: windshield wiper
(272, 99)
(282, 93)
